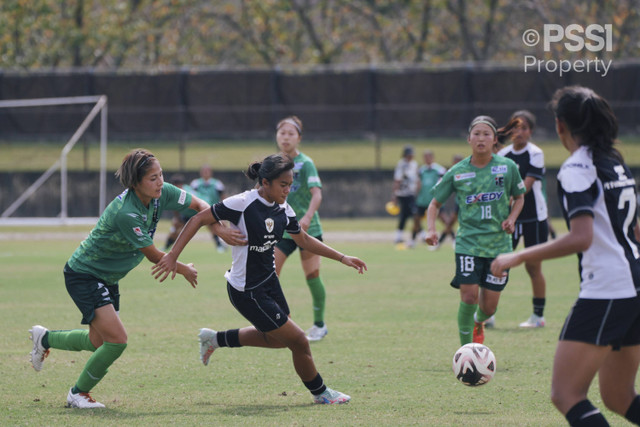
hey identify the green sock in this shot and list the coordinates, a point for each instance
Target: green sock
(318, 295)
(481, 316)
(73, 340)
(465, 322)
(98, 364)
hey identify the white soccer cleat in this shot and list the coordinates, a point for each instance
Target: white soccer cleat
(329, 397)
(490, 322)
(208, 344)
(82, 401)
(39, 353)
(534, 321)
(316, 333)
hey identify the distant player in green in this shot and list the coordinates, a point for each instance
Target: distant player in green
(120, 240)
(211, 190)
(484, 185)
(305, 198)
(429, 174)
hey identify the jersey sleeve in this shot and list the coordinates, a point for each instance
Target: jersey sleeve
(516, 186)
(174, 198)
(443, 188)
(310, 173)
(293, 227)
(579, 189)
(536, 167)
(131, 228)
(230, 209)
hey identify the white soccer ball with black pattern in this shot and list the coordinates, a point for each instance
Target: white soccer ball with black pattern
(474, 364)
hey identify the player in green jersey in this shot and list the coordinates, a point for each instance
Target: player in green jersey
(429, 174)
(211, 190)
(484, 185)
(305, 198)
(120, 240)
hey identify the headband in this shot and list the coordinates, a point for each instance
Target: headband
(291, 122)
(495, 132)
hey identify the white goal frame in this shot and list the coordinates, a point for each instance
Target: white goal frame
(99, 107)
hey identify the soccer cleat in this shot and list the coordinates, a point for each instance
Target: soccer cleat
(329, 397)
(316, 333)
(478, 333)
(208, 344)
(82, 401)
(490, 322)
(534, 321)
(39, 353)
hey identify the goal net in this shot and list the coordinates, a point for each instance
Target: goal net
(99, 108)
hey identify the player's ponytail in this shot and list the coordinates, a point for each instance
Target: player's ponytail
(134, 167)
(270, 168)
(589, 118)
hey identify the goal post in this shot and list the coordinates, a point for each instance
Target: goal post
(99, 107)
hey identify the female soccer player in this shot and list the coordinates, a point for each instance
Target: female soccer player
(305, 198)
(262, 215)
(532, 224)
(597, 193)
(484, 184)
(120, 240)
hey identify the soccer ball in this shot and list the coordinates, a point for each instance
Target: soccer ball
(474, 364)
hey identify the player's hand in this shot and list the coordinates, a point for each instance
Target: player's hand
(231, 236)
(509, 225)
(167, 264)
(354, 262)
(503, 262)
(191, 275)
(305, 223)
(432, 238)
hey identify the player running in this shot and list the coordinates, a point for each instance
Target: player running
(484, 183)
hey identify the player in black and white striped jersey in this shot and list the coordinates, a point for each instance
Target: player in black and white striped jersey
(531, 225)
(262, 215)
(602, 331)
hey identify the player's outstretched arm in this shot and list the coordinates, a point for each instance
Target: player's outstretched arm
(314, 245)
(155, 255)
(169, 262)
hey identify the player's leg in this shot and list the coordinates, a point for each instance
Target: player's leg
(466, 310)
(617, 377)
(574, 366)
(534, 234)
(311, 267)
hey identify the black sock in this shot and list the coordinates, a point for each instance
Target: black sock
(316, 386)
(538, 306)
(230, 338)
(584, 414)
(633, 413)
(442, 237)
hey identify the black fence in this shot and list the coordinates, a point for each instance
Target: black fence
(191, 104)
(373, 189)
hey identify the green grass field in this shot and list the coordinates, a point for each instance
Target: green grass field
(236, 155)
(392, 335)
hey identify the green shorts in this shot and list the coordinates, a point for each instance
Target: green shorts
(89, 293)
(287, 246)
(474, 270)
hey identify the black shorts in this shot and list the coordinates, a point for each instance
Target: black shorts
(288, 246)
(475, 270)
(265, 306)
(614, 322)
(88, 293)
(534, 233)
(421, 211)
